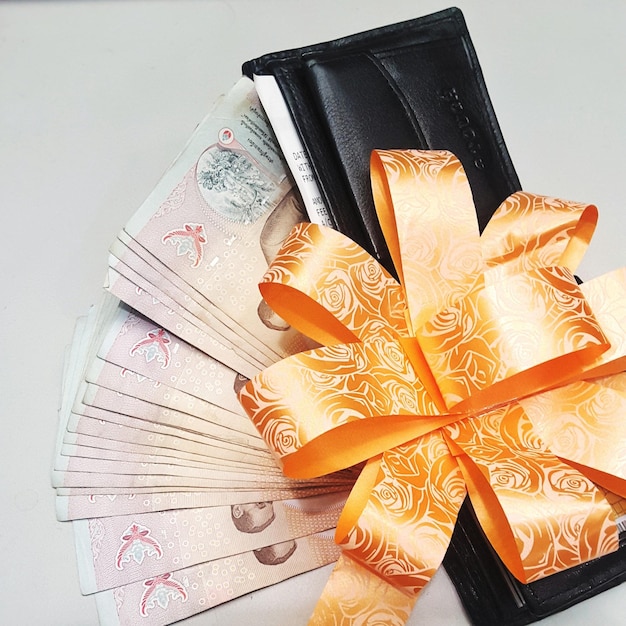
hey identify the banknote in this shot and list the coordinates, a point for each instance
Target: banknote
(75, 358)
(149, 302)
(120, 379)
(87, 332)
(141, 346)
(106, 475)
(141, 488)
(73, 365)
(182, 593)
(149, 412)
(138, 420)
(85, 431)
(80, 471)
(115, 551)
(89, 473)
(221, 212)
(159, 359)
(176, 501)
(160, 484)
(74, 506)
(140, 267)
(84, 447)
(195, 322)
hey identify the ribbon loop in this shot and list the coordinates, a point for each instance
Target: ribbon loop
(354, 596)
(405, 527)
(518, 336)
(584, 423)
(434, 232)
(529, 231)
(308, 407)
(333, 298)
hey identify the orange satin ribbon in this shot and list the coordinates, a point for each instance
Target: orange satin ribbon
(483, 371)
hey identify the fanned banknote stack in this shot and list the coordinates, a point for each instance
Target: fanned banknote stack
(176, 502)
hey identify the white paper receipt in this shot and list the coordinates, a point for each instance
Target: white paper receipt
(297, 159)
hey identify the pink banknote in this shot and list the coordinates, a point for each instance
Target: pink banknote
(114, 551)
(176, 595)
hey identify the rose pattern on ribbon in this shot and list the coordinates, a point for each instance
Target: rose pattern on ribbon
(483, 370)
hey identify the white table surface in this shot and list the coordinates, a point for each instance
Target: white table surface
(96, 99)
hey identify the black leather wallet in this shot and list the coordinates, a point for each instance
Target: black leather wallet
(418, 84)
(415, 84)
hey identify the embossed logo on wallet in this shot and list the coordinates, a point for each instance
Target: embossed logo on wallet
(464, 124)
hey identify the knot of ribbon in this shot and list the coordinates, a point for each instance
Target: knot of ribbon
(485, 370)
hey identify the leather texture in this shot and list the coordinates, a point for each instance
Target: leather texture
(418, 84)
(492, 597)
(415, 84)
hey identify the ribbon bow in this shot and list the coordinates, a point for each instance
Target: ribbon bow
(482, 371)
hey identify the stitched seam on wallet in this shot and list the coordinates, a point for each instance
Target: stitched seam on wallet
(408, 111)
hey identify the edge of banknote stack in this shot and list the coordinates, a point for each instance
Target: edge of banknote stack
(176, 502)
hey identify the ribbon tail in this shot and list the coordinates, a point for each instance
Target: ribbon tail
(541, 515)
(354, 595)
(395, 531)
